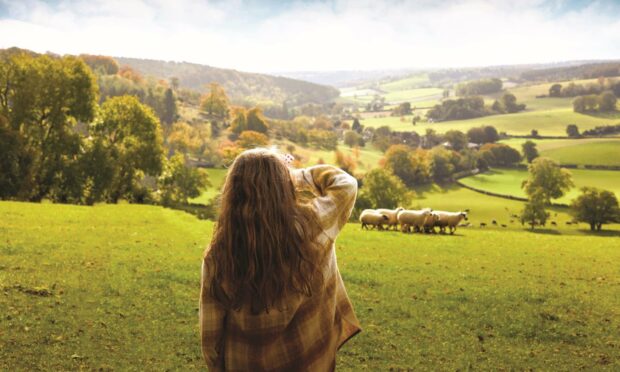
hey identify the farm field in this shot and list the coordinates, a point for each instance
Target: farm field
(409, 82)
(508, 182)
(594, 151)
(551, 122)
(114, 287)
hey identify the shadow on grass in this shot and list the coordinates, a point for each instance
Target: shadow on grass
(612, 233)
(604, 115)
(544, 231)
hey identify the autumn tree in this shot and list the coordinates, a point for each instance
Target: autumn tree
(215, 104)
(249, 139)
(382, 189)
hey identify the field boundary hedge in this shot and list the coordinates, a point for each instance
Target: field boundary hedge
(510, 197)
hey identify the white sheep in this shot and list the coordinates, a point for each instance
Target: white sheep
(392, 215)
(450, 220)
(412, 218)
(372, 218)
(430, 222)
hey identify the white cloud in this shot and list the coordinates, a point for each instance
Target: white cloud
(342, 34)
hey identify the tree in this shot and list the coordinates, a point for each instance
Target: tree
(101, 65)
(499, 154)
(440, 164)
(547, 179)
(534, 211)
(239, 122)
(42, 98)
(596, 207)
(457, 139)
(249, 139)
(381, 189)
(179, 182)
(509, 102)
(169, 114)
(530, 152)
(412, 167)
(345, 162)
(534, 133)
(607, 101)
(402, 109)
(352, 138)
(15, 162)
(326, 139)
(132, 133)
(572, 130)
(256, 121)
(490, 134)
(215, 104)
(356, 126)
(555, 90)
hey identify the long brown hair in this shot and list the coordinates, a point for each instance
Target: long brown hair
(262, 248)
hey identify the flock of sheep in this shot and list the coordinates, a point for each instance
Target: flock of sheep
(423, 220)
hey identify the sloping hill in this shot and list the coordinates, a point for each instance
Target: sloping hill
(240, 86)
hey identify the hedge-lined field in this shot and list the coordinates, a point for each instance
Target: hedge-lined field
(115, 287)
(508, 182)
(591, 151)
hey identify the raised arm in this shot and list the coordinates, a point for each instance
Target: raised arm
(212, 317)
(335, 192)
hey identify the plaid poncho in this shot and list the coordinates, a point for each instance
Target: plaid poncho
(306, 335)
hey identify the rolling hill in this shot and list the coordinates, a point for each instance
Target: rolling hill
(240, 86)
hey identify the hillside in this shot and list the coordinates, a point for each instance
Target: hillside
(240, 86)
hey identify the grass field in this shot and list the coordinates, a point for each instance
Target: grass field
(216, 178)
(551, 122)
(594, 151)
(508, 182)
(115, 287)
(410, 82)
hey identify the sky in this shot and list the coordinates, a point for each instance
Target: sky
(329, 35)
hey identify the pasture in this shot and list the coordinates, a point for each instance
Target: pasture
(592, 151)
(551, 122)
(115, 287)
(508, 182)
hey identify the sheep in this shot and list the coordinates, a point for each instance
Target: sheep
(450, 220)
(504, 225)
(430, 222)
(553, 223)
(415, 218)
(482, 224)
(494, 222)
(569, 223)
(392, 215)
(372, 218)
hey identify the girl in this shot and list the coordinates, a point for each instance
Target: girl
(272, 298)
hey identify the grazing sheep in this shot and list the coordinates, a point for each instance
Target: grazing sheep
(494, 222)
(412, 218)
(466, 210)
(392, 215)
(430, 222)
(504, 225)
(482, 224)
(450, 220)
(569, 223)
(512, 221)
(372, 218)
(553, 223)
(514, 216)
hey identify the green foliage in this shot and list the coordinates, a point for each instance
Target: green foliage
(43, 98)
(457, 139)
(402, 109)
(479, 87)
(572, 130)
(179, 182)
(530, 152)
(534, 211)
(483, 134)
(352, 138)
(322, 139)
(604, 102)
(132, 134)
(508, 104)
(596, 207)
(499, 154)
(441, 164)
(462, 108)
(256, 121)
(547, 180)
(169, 114)
(555, 90)
(382, 189)
(412, 167)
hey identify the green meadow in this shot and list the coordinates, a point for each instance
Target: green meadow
(591, 151)
(550, 122)
(508, 182)
(115, 287)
